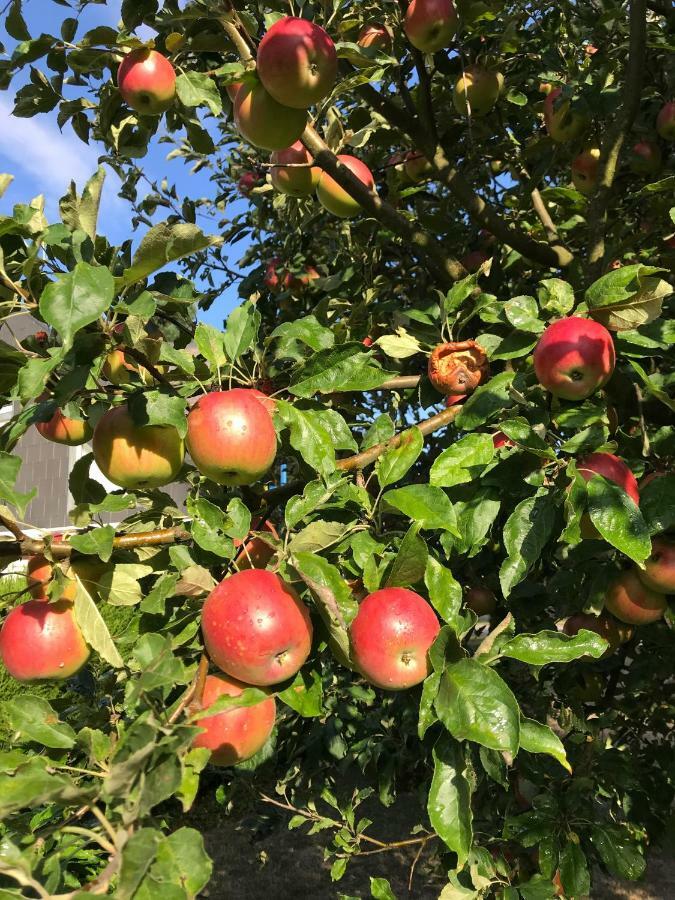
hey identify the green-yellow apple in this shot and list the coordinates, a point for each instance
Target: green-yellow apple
(61, 429)
(335, 198)
(233, 735)
(477, 91)
(633, 602)
(147, 81)
(116, 369)
(659, 571)
(585, 171)
(231, 437)
(264, 122)
(458, 367)
(136, 457)
(574, 357)
(665, 121)
(417, 166)
(646, 158)
(562, 122)
(430, 25)
(293, 172)
(391, 636)
(42, 640)
(256, 628)
(297, 63)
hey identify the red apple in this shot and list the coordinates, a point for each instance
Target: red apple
(268, 402)
(454, 399)
(474, 260)
(264, 122)
(147, 81)
(481, 600)
(646, 158)
(586, 171)
(293, 173)
(499, 440)
(632, 602)
(417, 166)
(375, 35)
(430, 25)
(233, 89)
(335, 198)
(477, 91)
(136, 457)
(231, 437)
(574, 357)
(659, 571)
(665, 121)
(368, 342)
(458, 368)
(391, 636)
(562, 123)
(247, 182)
(236, 734)
(609, 629)
(256, 628)
(42, 640)
(611, 468)
(61, 429)
(255, 553)
(297, 63)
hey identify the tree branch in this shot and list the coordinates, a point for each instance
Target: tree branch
(367, 457)
(616, 136)
(62, 550)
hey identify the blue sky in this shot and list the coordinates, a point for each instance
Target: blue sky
(44, 159)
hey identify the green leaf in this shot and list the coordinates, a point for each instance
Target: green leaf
(97, 542)
(308, 436)
(523, 314)
(554, 647)
(33, 719)
(538, 738)
(314, 496)
(33, 375)
(657, 503)
(209, 526)
(308, 330)
(445, 593)
(574, 874)
(410, 562)
(463, 462)
(90, 202)
(305, 694)
(618, 518)
(628, 297)
(380, 889)
(343, 368)
(475, 517)
(449, 803)
(9, 472)
(198, 89)
(475, 704)
(525, 535)
(483, 404)
(395, 463)
(211, 344)
(163, 244)
(77, 299)
(427, 713)
(521, 432)
(242, 330)
(31, 785)
(619, 854)
(93, 627)
(426, 505)
(556, 296)
(119, 585)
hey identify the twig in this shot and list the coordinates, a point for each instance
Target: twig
(153, 370)
(195, 691)
(12, 526)
(63, 550)
(401, 383)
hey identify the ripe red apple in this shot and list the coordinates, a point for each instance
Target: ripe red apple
(481, 600)
(612, 631)
(233, 89)
(255, 553)
(42, 640)
(665, 121)
(430, 25)
(268, 402)
(417, 166)
(247, 182)
(659, 571)
(335, 198)
(233, 735)
(368, 341)
(41, 337)
(586, 171)
(454, 399)
(136, 457)
(375, 35)
(458, 368)
(231, 437)
(391, 636)
(611, 468)
(633, 602)
(646, 158)
(474, 260)
(293, 173)
(264, 122)
(499, 439)
(62, 429)
(477, 91)
(147, 81)
(256, 628)
(297, 63)
(574, 357)
(562, 122)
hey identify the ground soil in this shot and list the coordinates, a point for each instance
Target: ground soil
(257, 858)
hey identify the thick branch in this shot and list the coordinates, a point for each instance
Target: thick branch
(616, 136)
(62, 550)
(402, 383)
(435, 423)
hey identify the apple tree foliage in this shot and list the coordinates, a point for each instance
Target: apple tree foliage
(541, 756)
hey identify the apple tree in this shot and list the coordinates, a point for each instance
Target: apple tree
(408, 513)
